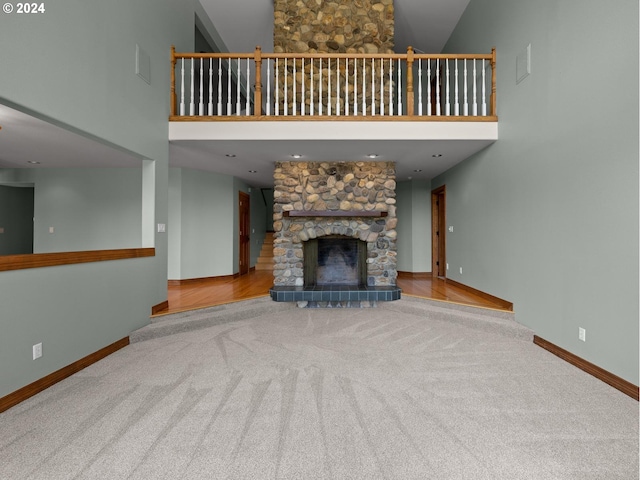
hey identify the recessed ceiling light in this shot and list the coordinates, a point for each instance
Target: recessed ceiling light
(230, 155)
(417, 170)
(373, 155)
(296, 155)
(436, 155)
(33, 162)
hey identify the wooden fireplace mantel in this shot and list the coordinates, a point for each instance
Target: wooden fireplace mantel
(334, 213)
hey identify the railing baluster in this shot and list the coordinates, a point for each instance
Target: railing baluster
(238, 83)
(295, 88)
(411, 96)
(277, 87)
(229, 104)
(391, 87)
(475, 96)
(182, 89)
(419, 87)
(429, 105)
(438, 110)
(268, 87)
(399, 88)
(320, 83)
(192, 105)
(465, 106)
(286, 87)
(456, 108)
(346, 86)
(210, 105)
(447, 87)
(484, 98)
(355, 86)
(364, 87)
(311, 97)
(219, 86)
(303, 103)
(201, 102)
(329, 87)
(382, 87)
(373, 88)
(247, 94)
(337, 87)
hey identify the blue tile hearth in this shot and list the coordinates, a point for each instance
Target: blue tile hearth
(335, 293)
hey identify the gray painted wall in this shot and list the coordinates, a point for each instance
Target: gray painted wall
(547, 216)
(205, 217)
(414, 226)
(75, 66)
(16, 220)
(88, 208)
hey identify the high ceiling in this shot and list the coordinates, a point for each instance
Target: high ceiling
(423, 24)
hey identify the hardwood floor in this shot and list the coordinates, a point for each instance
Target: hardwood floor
(208, 292)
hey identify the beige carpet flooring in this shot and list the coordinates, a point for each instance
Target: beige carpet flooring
(409, 390)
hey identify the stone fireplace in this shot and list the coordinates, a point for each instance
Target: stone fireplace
(335, 232)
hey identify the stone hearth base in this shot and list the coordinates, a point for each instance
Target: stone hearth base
(347, 295)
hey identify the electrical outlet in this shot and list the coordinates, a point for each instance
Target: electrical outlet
(451, 228)
(582, 334)
(447, 265)
(51, 230)
(37, 350)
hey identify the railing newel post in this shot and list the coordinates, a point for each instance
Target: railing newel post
(410, 93)
(257, 94)
(493, 82)
(174, 98)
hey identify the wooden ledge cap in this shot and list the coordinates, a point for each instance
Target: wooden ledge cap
(334, 213)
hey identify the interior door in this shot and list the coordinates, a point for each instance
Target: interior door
(438, 235)
(244, 239)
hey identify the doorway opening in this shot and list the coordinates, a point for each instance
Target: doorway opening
(438, 235)
(243, 237)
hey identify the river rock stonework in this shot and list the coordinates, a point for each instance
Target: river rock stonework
(346, 188)
(340, 26)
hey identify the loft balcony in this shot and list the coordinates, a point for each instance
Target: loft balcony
(291, 97)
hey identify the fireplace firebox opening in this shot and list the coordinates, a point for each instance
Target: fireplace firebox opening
(335, 260)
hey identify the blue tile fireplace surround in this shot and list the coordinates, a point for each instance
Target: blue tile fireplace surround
(335, 293)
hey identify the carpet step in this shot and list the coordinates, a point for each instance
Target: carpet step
(485, 319)
(208, 317)
(482, 319)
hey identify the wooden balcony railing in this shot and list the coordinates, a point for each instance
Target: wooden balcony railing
(277, 86)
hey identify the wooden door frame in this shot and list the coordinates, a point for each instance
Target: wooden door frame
(244, 237)
(438, 224)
